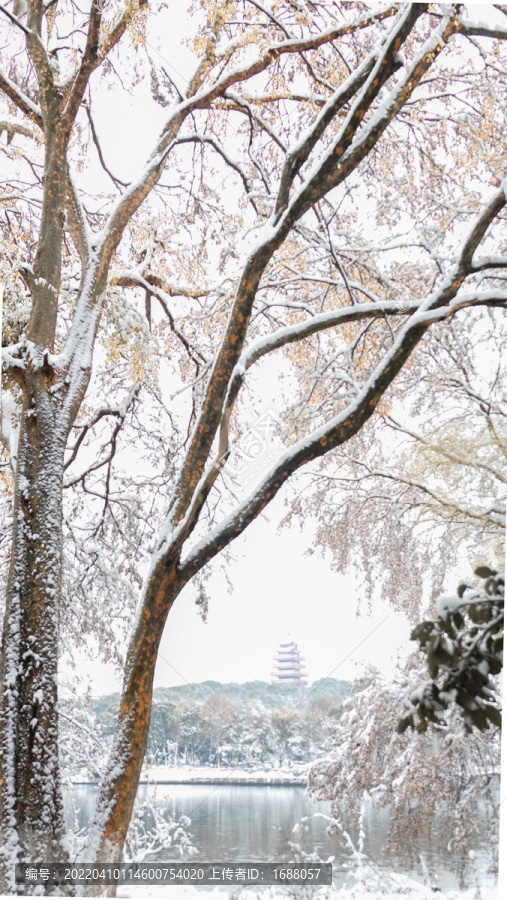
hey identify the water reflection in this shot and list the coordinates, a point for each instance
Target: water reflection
(240, 823)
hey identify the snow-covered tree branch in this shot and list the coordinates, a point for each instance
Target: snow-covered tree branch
(326, 190)
(464, 653)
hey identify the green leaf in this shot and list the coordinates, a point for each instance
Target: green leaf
(404, 723)
(494, 715)
(458, 619)
(479, 719)
(480, 613)
(422, 632)
(484, 571)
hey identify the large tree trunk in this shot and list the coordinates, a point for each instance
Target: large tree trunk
(32, 819)
(118, 789)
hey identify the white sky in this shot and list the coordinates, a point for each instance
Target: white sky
(275, 589)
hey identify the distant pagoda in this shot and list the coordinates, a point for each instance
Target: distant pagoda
(289, 665)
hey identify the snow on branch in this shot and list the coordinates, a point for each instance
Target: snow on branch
(482, 29)
(298, 154)
(15, 126)
(352, 145)
(152, 282)
(464, 649)
(330, 435)
(20, 99)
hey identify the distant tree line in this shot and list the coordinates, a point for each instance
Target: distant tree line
(254, 725)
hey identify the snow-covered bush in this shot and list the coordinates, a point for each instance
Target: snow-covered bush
(438, 787)
(151, 831)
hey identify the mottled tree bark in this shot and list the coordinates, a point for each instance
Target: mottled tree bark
(119, 786)
(33, 823)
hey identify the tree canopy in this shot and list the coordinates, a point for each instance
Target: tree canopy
(424, 481)
(325, 187)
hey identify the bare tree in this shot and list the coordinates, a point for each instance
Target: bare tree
(368, 145)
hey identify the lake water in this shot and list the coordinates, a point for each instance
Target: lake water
(254, 823)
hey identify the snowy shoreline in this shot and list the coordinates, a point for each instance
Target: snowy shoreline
(213, 775)
(404, 887)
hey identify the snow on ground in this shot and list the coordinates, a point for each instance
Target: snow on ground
(411, 891)
(210, 774)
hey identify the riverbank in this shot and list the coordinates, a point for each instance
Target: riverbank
(214, 775)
